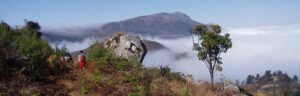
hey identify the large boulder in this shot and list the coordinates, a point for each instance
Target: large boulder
(234, 90)
(127, 46)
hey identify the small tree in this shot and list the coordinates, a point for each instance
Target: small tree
(210, 45)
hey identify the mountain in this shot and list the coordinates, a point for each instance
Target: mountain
(161, 25)
(167, 25)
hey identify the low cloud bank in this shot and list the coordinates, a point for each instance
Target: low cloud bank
(74, 46)
(254, 50)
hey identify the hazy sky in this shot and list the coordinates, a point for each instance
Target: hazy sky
(228, 13)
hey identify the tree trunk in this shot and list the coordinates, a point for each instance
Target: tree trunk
(211, 72)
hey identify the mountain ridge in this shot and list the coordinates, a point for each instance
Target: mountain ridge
(161, 25)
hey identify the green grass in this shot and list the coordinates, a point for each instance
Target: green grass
(183, 91)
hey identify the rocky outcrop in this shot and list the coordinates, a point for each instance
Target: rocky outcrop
(127, 46)
(234, 90)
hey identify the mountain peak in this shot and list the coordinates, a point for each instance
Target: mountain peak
(174, 15)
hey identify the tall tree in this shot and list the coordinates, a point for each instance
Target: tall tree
(210, 44)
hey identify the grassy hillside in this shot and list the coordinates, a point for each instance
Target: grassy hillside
(29, 66)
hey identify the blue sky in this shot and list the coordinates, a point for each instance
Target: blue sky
(228, 13)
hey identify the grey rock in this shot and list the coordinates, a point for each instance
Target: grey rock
(232, 88)
(127, 46)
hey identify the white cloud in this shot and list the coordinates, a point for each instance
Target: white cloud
(74, 46)
(254, 50)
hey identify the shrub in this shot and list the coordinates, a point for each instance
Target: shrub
(128, 78)
(60, 51)
(99, 54)
(35, 52)
(84, 90)
(183, 91)
(55, 61)
(95, 78)
(122, 64)
(166, 72)
(139, 89)
(24, 48)
(2, 58)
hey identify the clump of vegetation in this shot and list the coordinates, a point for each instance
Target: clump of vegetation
(276, 83)
(98, 54)
(128, 78)
(183, 91)
(25, 57)
(84, 90)
(23, 48)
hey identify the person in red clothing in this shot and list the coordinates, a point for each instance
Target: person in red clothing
(81, 61)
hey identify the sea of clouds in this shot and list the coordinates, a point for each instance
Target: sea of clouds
(255, 50)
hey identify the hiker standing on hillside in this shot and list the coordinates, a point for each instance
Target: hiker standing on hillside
(81, 61)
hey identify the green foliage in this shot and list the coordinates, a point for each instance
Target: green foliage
(24, 45)
(55, 61)
(35, 51)
(152, 72)
(60, 51)
(122, 64)
(84, 87)
(95, 78)
(8, 38)
(135, 94)
(166, 72)
(138, 88)
(126, 65)
(163, 72)
(128, 78)
(184, 91)
(99, 54)
(211, 45)
(84, 90)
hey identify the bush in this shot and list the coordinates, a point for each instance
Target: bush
(183, 91)
(128, 78)
(138, 88)
(84, 90)
(23, 48)
(122, 64)
(35, 52)
(60, 51)
(2, 58)
(99, 54)
(166, 72)
(95, 78)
